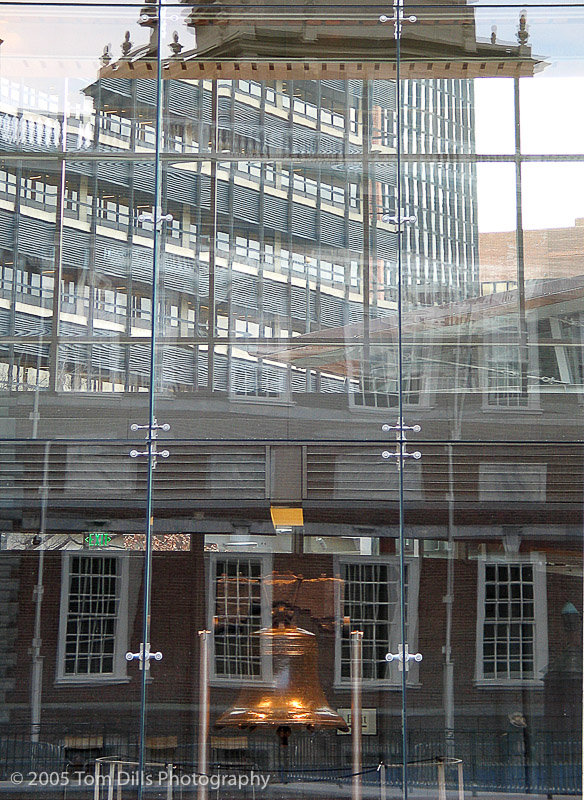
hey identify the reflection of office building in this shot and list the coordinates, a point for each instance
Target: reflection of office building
(296, 230)
(296, 247)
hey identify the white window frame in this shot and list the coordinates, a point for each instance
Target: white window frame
(119, 674)
(425, 392)
(265, 559)
(393, 680)
(540, 648)
(501, 358)
(245, 355)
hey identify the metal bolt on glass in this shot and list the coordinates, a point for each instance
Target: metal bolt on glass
(162, 453)
(388, 454)
(397, 19)
(400, 451)
(399, 219)
(164, 427)
(403, 656)
(401, 427)
(152, 435)
(144, 656)
(160, 217)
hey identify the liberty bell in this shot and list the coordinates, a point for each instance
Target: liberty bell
(295, 697)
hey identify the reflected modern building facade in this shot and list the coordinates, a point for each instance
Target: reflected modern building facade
(253, 239)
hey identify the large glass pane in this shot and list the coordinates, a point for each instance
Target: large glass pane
(487, 297)
(77, 181)
(278, 247)
(496, 705)
(269, 604)
(258, 110)
(281, 390)
(76, 257)
(86, 236)
(490, 243)
(54, 95)
(303, 234)
(549, 123)
(71, 572)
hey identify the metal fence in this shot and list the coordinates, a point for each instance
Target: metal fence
(19, 755)
(539, 763)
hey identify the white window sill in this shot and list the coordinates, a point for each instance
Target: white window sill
(377, 686)
(253, 399)
(240, 683)
(530, 410)
(508, 684)
(82, 680)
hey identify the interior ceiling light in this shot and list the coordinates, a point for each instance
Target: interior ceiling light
(286, 517)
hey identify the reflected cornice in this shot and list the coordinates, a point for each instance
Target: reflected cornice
(324, 41)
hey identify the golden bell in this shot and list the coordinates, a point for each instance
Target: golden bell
(295, 697)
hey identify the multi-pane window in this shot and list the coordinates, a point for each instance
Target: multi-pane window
(251, 168)
(71, 293)
(71, 206)
(252, 378)
(115, 125)
(371, 600)
(387, 122)
(305, 108)
(304, 264)
(92, 633)
(355, 275)
(269, 253)
(512, 639)
(32, 284)
(141, 307)
(237, 587)
(223, 241)
(250, 87)
(302, 183)
(174, 230)
(7, 183)
(330, 118)
(36, 191)
(111, 211)
(382, 388)
(509, 627)
(332, 194)
(247, 249)
(145, 133)
(193, 234)
(504, 384)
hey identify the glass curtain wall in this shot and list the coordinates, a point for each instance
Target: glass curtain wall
(291, 371)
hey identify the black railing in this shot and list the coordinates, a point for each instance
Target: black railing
(541, 763)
